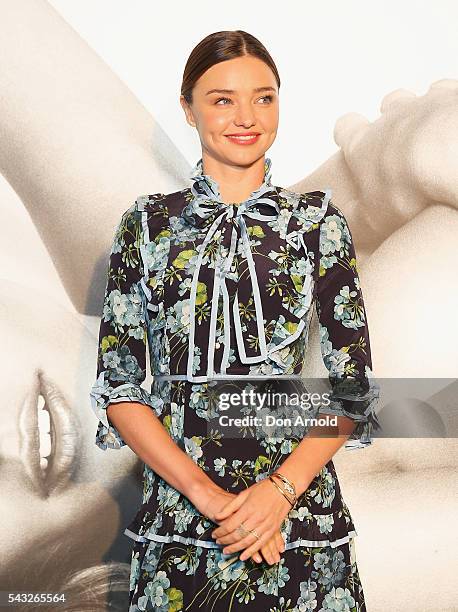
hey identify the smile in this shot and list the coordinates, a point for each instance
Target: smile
(244, 140)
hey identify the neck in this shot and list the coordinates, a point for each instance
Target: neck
(235, 182)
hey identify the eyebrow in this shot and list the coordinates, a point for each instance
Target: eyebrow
(232, 91)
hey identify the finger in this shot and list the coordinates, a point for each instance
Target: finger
(237, 527)
(239, 545)
(267, 552)
(271, 552)
(274, 549)
(280, 542)
(256, 557)
(231, 538)
(230, 534)
(228, 524)
(236, 540)
(231, 507)
(259, 543)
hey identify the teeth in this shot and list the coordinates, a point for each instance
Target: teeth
(243, 137)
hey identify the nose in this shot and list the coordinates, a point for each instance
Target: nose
(245, 116)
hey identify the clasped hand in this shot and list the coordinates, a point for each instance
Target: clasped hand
(260, 507)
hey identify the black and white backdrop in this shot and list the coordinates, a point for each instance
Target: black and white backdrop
(90, 119)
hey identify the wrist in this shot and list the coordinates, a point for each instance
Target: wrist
(281, 496)
(200, 488)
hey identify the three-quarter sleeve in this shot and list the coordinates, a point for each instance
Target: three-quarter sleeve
(123, 334)
(344, 331)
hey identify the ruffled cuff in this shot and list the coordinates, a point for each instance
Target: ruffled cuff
(102, 394)
(356, 399)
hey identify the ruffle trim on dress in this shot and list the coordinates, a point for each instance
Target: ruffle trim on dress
(102, 394)
(300, 528)
(361, 408)
(305, 215)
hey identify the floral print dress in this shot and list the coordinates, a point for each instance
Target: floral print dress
(212, 292)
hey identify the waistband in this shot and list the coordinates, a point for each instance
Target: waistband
(226, 377)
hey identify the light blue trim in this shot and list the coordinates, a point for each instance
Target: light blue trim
(145, 241)
(227, 329)
(206, 202)
(208, 544)
(213, 320)
(221, 376)
(327, 197)
(192, 301)
(296, 237)
(318, 543)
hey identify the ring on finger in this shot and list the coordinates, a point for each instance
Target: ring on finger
(242, 529)
(254, 533)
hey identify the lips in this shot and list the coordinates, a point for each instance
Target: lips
(49, 469)
(243, 139)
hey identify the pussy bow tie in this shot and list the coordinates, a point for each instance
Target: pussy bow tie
(207, 211)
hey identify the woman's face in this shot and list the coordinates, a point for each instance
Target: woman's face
(246, 100)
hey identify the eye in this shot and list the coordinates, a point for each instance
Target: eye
(219, 99)
(269, 98)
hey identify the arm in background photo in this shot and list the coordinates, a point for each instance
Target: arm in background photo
(76, 144)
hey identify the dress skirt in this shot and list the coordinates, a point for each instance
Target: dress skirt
(172, 576)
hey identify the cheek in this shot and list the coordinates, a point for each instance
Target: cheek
(270, 120)
(214, 122)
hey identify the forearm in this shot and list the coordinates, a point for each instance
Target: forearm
(313, 452)
(147, 437)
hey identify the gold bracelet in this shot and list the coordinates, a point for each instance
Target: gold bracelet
(289, 486)
(282, 492)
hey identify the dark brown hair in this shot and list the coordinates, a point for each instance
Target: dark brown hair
(219, 47)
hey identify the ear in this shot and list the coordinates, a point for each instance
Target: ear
(188, 112)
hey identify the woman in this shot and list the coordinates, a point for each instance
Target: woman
(218, 281)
